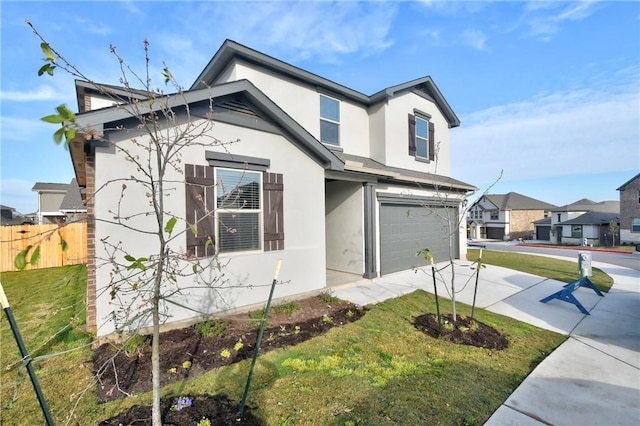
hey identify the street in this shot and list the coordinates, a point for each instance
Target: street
(627, 260)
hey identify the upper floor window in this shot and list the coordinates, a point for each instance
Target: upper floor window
(635, 224)
(494, 215)
(329, 120)
(638, 195)
(422, 138)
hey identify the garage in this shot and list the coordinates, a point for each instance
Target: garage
(407, 228)
(495, 233)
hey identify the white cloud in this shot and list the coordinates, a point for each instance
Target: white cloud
(42, 93)
(582, 131)
(474, 38)
(545, 18)
(326, 31)
(24, 129)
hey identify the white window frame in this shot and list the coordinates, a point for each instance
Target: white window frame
(239, 211)
(574, 231)
(422, 139)
(330, 120)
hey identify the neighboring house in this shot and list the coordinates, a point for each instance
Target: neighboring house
(505, 216)
(542, 229)
(59, 202)
(330, 179)
(72, 205)
(569, 227)
(11, 217)
(50, 196)
(591, 229)
(6, 213)
(630, 211)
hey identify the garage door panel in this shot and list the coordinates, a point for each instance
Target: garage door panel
(402, 235)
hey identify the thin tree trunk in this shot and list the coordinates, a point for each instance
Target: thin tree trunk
(155, 344)
(155, 351)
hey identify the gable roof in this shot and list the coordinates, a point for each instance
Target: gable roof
(117, 94)
(72, 201)
(586, 205)
(515, 201)
(231, 50)
(50, 187)
(593, 218)
(284, 124)
(624, 185)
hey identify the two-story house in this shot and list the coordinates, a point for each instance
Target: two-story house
(59, 202)
(584, 222)
(505, 216)
(285, 165)
(630, 211)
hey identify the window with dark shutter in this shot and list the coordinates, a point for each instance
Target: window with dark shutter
(273, 190)
(421, 138)
(432, 144)
(200, 207)
(412, 135)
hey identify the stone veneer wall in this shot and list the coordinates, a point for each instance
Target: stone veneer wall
(521, 222)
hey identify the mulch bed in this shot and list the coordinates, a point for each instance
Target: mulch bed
(465, 331)
(123, 374)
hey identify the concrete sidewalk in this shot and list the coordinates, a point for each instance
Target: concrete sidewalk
(591, 379)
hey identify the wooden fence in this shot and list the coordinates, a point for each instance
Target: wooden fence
(14, 239)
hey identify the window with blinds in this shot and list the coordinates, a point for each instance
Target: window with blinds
(238, 210)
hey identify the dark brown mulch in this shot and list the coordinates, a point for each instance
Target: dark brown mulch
(121, 374)
(465, 331)
(218, 409)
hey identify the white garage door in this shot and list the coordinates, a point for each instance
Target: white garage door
(405, 229)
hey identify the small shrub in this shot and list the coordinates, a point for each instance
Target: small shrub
(239, 345)
(328, 298)
(134, 345)
(211, 327)
(288, 308)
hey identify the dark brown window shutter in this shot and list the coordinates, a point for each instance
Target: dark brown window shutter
(200, 203)
(412, 135)
(432, 144)
(273, 191)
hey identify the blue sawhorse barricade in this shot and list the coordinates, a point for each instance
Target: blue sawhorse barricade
(566, 294)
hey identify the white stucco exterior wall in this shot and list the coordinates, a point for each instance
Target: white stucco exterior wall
(303, 266)
(302, 103)
(345, 227)
(397, 135)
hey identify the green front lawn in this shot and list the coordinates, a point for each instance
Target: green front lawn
(555, 269)
(378, 370)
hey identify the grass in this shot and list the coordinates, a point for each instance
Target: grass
(48, 306)
(627, 248)
(556, 269)
(378, 370)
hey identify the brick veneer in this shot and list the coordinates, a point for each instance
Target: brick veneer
(91, 243)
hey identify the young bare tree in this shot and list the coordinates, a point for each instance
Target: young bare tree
(614, 228)
(450, 209)
(162, 127)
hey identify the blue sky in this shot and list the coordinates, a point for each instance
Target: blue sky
(548, 92)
